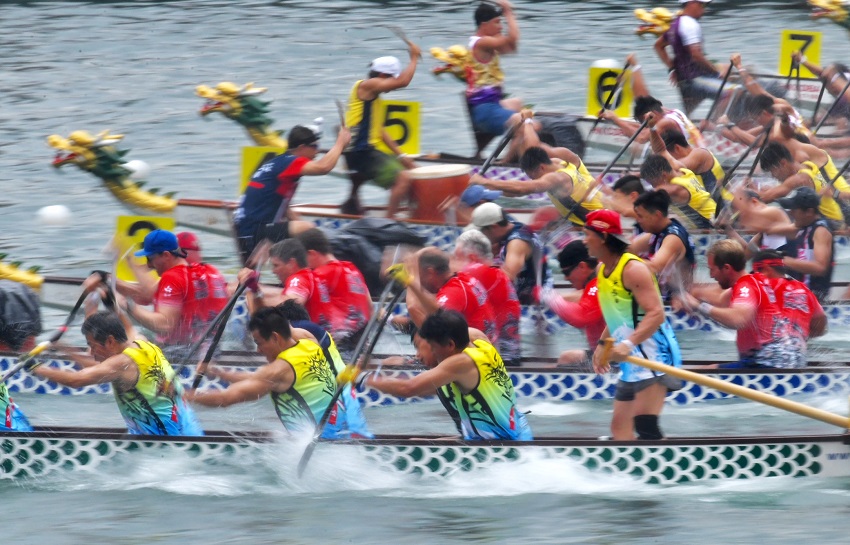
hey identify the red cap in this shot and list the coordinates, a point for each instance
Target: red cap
(188, 241)
(606, 221)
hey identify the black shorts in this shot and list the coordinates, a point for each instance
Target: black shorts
(274, 232)
(626, 391)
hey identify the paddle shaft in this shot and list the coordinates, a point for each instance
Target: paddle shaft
(817, 104)
(620, 153)
(222, 325)
(831, 108)
(608, 100)
(760, 151)
(308, 452)
(738, 163)
(740, 391)
(720, 92)
(502, 144)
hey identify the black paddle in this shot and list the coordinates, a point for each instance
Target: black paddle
(372, 331)
(608, 100)
(620, 153)
(831, 108)
(502, 144)
(817, 104)
(720, 91)
(728, 175)
(221, 321)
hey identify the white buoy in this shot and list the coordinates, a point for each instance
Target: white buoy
(56, 214)
(139, 170)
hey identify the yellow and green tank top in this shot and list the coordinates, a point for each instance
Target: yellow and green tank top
(583, 183)
(489, 411)
(363, 118)
(301, 407)
(828, 207)
(153, 406)
(700, 207)
(480, 75)
(623, 314)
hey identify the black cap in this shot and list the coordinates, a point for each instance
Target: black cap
(803, 197)
(486, 12)
(572, 254)
(300, 135)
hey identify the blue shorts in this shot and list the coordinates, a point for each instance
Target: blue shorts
(490, 117)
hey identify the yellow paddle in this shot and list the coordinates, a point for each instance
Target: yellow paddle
(740, 391)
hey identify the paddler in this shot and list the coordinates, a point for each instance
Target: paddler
(634, 316)
(686, 191)
(700, 161)
(146, 387)
(298, 378)
(570, 187)
(263, 211)
(490, 110)
(365, 118)
(470, 371)
(21, 322)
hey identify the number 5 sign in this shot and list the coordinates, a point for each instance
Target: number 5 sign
(401, 121)
(799, 40)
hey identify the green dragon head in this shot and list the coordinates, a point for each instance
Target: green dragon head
(99, 156)
(655, 21)
(835, 10)
(455, 60)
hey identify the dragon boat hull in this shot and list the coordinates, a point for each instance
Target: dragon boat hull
(668, 462)
(531, 382)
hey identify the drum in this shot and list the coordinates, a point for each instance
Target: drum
(431, 185)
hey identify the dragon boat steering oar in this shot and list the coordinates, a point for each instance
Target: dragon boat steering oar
(740, 391)
(372, 331)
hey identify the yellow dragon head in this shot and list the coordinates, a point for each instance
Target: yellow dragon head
(226, 98)
(455, 59)
(655, 21)
(81, 148)
(835, 10)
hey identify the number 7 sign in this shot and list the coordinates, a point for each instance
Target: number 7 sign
(799, 40)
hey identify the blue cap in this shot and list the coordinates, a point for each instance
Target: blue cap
(157, 242)
(475, 194)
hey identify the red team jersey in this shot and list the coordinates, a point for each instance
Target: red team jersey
(468, 296)
(504, 301)
(798, 304)
(200, 290)
(350, 299)
(317, 300)
(755, 291)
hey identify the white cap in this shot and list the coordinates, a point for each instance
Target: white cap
(386, 65)
(486, 214)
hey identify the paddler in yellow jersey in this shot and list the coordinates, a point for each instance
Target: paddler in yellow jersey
(570, 187)
(468, 373)
(791, 174)
(686, 191)
(365, 117)
(146, 387)
(490, 111)
(298, 377)
(700, 161)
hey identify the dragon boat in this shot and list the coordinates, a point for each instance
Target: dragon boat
(532, 381)
(50, 451)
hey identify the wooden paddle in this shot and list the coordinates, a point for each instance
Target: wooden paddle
(620, 153)
(831, 108)
(371, 332)
(740, 391)
(608, 100)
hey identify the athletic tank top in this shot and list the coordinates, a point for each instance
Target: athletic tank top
(691, 131)
(828, 171)
(153, 406)
(14, 419)
(582, 186)
(623, 314)
(489, 411)
(482, 76)
(828, 207)
(711, 177)
(805, 250)
(301, 407)
(700, 207)
(362, 119)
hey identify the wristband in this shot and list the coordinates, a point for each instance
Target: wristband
(528, 121)
(705, 308)
(628, 343)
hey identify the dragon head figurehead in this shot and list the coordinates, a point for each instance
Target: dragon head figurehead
(655, 21)
(14, 272)
(834, 10)
(242, 105)
(455, 61)
(98, 155)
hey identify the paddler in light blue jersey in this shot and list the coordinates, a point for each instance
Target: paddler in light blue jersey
(148, 394)
(298, 377)
(470, 376)
(634, 316)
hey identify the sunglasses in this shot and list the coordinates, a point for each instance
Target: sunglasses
(568, 270)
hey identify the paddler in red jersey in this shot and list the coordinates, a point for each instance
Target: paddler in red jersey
(585, 314)
(350, 302)
(746, 303)
(801, 308)
(473, 255)
(431, 285)
(188, 296)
